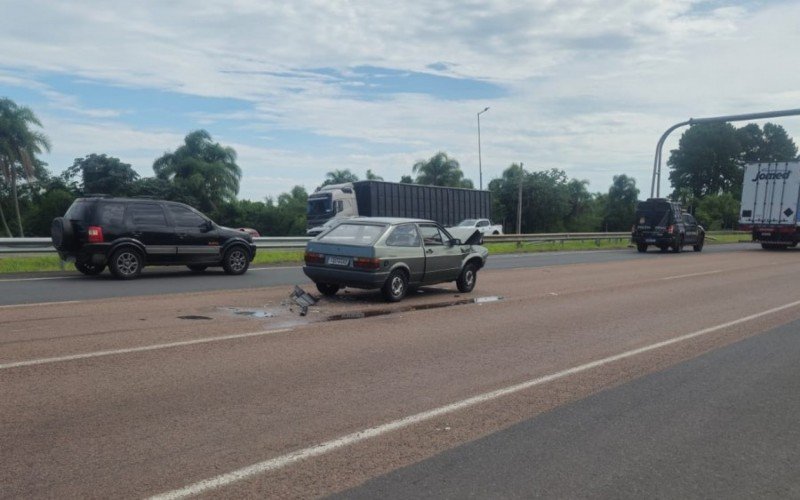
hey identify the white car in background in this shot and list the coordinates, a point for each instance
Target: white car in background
(482, 225)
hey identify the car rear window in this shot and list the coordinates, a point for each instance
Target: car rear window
(354, 234)
(653, 214)
(112, 214)
(80, 210)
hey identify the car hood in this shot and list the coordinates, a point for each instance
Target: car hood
(467, 235)
(232, 233)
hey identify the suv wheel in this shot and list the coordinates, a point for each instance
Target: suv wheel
(699, 246)
(641, 247)
(61, 233)
(395, 287)
(236, 260)
(89, 269)
(467, 278)
(126, 263)
(677, 247)
(328, 289)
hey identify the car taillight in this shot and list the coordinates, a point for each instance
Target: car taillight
(95, 234)
(366, 263)
(314, 258)
(670, 229)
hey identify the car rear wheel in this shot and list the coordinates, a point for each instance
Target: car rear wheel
(699, 246)
(678, 245)
(328, 289)
(198, 268)
(467, 279)
(641, 247)
(126, 263)
(396, 286)
(89, 269)
(235, 260)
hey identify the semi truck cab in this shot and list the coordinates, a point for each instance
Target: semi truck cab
(334, 200)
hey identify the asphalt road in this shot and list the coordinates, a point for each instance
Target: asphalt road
(232, 394)
(26, 289)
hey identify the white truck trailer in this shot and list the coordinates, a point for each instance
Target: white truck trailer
(771, 203)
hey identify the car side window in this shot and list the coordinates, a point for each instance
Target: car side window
(431, 236)
(688, 219)
(185, 217)
(112, 214)
(483, 223)
(404, 235)
(147, 214)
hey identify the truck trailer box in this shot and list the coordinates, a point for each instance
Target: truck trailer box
(445, 205)
(770, 201)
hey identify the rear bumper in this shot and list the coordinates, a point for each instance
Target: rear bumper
(346, 277)
(95, 253)
(775, 234)
(653, 239)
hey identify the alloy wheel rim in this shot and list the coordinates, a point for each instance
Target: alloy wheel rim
(397, 286)
(469, 277)
(237, 261)
(127, 263)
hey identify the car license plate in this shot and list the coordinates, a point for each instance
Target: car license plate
(650, 240)
(337, 261)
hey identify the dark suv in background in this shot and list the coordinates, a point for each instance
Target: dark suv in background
(127, 234)
(661, 223)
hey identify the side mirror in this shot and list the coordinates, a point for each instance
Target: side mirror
(455, 242)
(206, 226)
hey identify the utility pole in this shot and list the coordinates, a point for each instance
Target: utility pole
(480, 167)
(519, 197)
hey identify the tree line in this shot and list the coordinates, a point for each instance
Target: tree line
(705, 171)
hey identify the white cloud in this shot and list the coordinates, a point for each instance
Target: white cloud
(590, 85)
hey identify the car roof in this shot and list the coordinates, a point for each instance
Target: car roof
(383, 220)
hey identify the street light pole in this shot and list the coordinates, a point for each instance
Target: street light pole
(519, 197)
(480, 167)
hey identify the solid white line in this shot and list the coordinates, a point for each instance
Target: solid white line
(97, 354)
(5, 280)
(691, 275)
(356, 437)
(37, 304)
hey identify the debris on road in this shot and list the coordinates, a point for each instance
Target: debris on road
(302, 299)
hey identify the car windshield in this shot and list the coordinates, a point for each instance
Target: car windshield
(354, 234)
(467, 222)
(319, 205)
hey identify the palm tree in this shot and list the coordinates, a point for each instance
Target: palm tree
(19, 145)
(440, 170)
(205, 169)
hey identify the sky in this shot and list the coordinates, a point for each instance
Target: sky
(305, 87)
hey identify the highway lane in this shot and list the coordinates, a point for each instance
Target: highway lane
(723, 425)
(72, 286)
(130, 397)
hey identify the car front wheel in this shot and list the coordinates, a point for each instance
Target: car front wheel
(467, 279)
(699, 246)
(235, 260)
(641, 247)
(677, 247)
(396, 286)
(126, 263)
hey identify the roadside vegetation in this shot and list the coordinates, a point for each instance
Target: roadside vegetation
(49, 263)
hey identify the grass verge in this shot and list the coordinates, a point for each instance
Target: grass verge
(44, 263)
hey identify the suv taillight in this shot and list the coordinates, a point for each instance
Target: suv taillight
(95, 234)
(670, 229)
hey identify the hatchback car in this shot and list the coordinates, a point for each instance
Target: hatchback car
(392, 254)
(127, 234)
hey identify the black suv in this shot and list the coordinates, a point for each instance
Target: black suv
(127, 234)
(659, 222)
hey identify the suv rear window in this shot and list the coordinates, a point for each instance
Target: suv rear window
(354, 234)
(653, 213)
(80, 210)
(112, 214)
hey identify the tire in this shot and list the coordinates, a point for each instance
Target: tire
(236, 261)
(496, 233)
(198, 268)
(89, 269)
(396, 286)
(677, 247)
(773, 246)
(663, 248)
(126, 263)
(641, 247)
(328, 289)
(62, 234)
(699, 246)
(467, 279)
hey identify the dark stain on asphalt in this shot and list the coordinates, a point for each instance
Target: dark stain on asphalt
(194, 316)
(421, 307)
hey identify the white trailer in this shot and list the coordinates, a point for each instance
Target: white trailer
(771, 203)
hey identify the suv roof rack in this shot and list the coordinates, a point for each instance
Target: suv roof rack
(97, 195)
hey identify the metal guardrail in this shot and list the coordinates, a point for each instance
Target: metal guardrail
(44, 246)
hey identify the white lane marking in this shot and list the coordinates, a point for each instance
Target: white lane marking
(356, 437)
(5, 280)
(37, 304)
(97, 354)
(706, 273)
